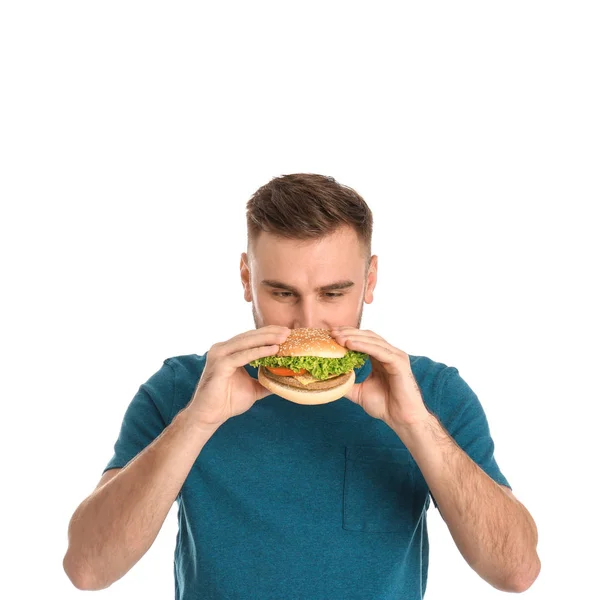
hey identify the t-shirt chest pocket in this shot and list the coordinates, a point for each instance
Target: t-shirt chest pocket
(383, 490)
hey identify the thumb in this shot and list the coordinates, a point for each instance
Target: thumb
(260, 391)
(353, 393)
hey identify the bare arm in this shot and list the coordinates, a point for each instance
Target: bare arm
(116, 525)
(493, 531)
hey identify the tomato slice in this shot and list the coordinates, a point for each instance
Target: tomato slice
(285, 372)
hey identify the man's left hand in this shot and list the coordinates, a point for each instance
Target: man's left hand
(390, 392)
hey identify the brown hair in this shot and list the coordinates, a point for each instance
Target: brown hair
(307, 206)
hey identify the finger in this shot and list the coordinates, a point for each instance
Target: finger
(239, 359)
(346, 329)
(385, 354)
(260, 331)
(356, 333)
(256, 340)
(260, 390)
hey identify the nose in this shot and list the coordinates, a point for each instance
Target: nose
(307, 315)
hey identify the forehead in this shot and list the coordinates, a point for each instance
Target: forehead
(338, 254)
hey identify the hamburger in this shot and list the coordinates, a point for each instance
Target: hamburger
(309, 368)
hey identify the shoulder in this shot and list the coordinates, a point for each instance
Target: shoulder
(187, 370)
(431, 376)
(444, 389)
(187, 364)
(427, 369)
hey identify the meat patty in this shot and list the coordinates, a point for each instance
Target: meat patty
(316, 385)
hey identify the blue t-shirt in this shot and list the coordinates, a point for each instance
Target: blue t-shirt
(293, 501)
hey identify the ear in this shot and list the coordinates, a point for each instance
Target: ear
(371, 280)
(245, 276)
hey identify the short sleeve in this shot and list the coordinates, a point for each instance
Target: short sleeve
(147, 415)
(463, 417)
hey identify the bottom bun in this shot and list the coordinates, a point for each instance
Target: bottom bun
(300, 396)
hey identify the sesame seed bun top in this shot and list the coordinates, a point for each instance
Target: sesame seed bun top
(307, 341)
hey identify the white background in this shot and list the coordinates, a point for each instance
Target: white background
(133, 133)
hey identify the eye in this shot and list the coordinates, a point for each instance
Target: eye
(288, 294)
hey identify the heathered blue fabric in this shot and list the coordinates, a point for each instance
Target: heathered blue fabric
(303, 502)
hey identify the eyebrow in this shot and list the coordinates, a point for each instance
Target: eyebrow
(337, 285)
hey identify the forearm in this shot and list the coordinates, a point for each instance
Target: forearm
(116, 525)
(493, 531)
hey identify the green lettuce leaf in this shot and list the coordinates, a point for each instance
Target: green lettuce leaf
(320, 368)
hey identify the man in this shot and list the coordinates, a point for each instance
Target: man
(281, 500)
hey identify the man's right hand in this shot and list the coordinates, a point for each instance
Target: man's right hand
(225, 389)
(116, 525)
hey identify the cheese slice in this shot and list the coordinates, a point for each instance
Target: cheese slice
(308, 378)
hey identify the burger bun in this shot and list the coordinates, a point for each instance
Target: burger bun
(309, 397)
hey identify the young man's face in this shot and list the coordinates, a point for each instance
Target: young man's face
(282, 279)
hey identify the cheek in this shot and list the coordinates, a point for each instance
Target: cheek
(268, 307)
(345, 310)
